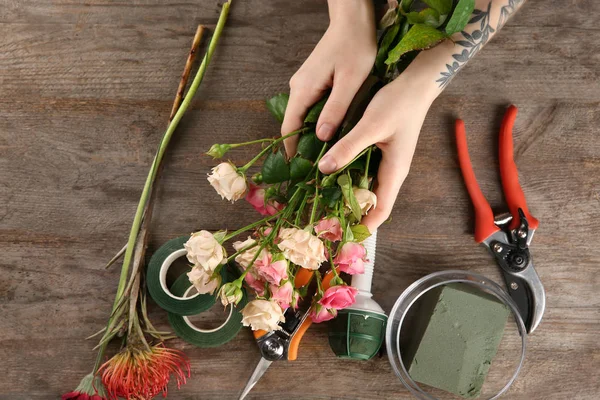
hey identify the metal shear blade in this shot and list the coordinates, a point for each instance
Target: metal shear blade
(259, 371)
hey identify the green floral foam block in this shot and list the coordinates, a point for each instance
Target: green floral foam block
(458, 340)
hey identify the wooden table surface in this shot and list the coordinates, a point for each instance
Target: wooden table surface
(86, 88)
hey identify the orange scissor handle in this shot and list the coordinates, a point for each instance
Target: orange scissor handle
(303, 277)
(515, 198)
(295, 342)
(484, 216)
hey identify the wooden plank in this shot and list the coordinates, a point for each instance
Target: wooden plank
(86, 87)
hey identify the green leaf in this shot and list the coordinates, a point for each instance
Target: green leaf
(360, 232)
(442, 6)
(418, 37)
(345, 183)
(428, 16)
(300, 167)
(460, 16)
(330, 196)
(275, 169)
(315, 111)
(309, 146)
(386, 42)
(277, 105)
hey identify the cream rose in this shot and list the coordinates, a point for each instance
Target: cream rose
(202, 280)
(246, 257)
(262, 314)
(365, 198)
(205, 251)
(228, 182)
(302, 248)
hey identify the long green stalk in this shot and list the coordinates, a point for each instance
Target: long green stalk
(133, 234)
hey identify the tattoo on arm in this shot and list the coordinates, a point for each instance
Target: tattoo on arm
(474, 41)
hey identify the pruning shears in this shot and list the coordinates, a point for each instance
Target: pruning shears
(283, 344)
(507, 236)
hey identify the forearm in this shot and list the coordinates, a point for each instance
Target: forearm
(438, 65)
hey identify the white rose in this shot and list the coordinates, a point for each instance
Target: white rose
(202, 280)
(204, 250)
(228, 182)
(262, 314)
(365, 198)
(302, 248)
(246, 257)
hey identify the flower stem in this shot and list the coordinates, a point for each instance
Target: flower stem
(335, 273)
(133, 234)
(251, 226)
(316, 200)
(235, 145)
(269, 147)
(366, 176)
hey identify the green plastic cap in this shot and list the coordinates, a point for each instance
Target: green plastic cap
(357, 334)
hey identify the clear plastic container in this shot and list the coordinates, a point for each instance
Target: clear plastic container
(403, 319)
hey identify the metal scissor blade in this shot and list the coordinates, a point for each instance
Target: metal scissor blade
(259, 371)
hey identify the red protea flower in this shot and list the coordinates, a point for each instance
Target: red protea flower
(141, 373)
(90, 388)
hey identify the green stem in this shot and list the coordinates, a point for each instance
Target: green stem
(251, 226)
(370, 150)
(269, 147)
(158, 157)
(235, 145)
(301, 209)
(316, 200)
(331, 261)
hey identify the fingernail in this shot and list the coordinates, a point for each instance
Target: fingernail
(325, 131)
(327, 165)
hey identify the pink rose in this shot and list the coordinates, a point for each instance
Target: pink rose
(338, 297)
(256, 284)
(272, 271)
(329, 229)
(322, 314)
(256, 198)
(283, 294)
(351, 258)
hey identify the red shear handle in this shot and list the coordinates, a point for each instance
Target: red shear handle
(484, 217)
(509, 174)
(295, 342)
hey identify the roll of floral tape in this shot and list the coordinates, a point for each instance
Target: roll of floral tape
(159, 265)
(185, 329)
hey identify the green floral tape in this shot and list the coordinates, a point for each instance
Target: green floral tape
(186, 330)
(159, 265)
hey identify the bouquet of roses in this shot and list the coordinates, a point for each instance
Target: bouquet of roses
(310, 218)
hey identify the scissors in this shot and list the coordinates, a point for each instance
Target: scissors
(507, 236)
(283, 344)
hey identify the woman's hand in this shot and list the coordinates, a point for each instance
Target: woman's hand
(392, 121)
(341, 61)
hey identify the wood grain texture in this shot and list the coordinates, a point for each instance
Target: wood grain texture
(86, 87)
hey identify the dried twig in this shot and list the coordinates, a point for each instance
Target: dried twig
(186, 71)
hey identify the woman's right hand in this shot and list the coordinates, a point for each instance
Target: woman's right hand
(341, 61)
